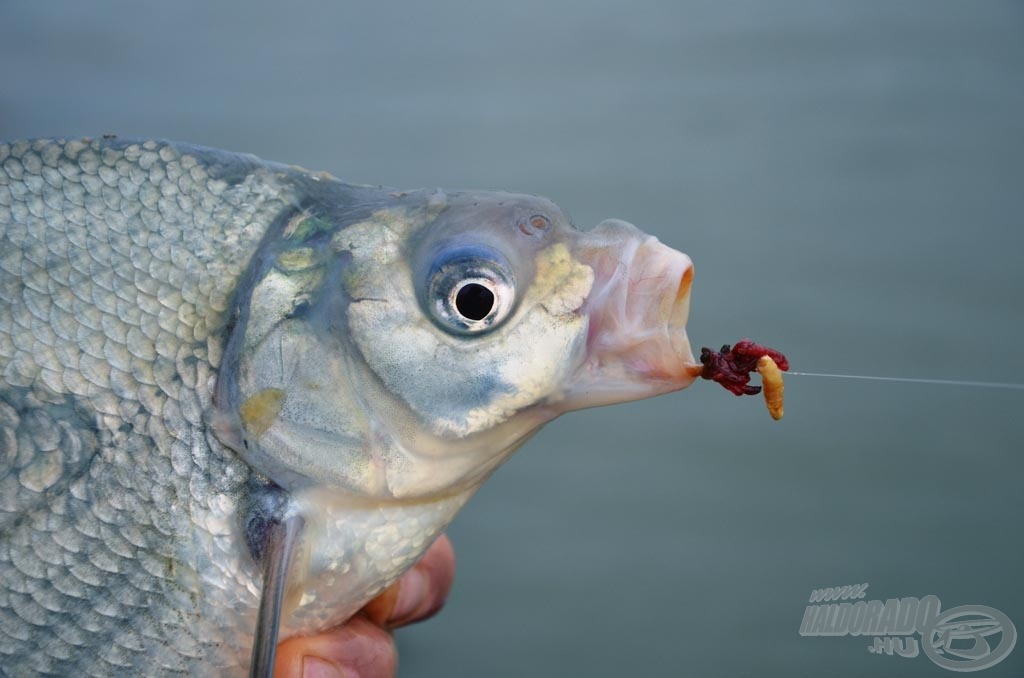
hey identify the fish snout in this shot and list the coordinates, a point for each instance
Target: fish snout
(637, 311)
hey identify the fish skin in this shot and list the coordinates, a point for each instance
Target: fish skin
(137, 282)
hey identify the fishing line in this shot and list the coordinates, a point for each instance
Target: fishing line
(944, 382)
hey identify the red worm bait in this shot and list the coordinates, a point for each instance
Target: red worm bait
(731, 367)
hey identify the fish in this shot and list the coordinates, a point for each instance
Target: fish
(238, 399)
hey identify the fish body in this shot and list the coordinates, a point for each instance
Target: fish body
(196, 345)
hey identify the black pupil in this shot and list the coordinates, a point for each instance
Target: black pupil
(474, 301)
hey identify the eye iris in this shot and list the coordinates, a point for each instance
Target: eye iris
(474, 301)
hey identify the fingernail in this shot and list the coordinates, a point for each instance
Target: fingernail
(318, 667)
(411, 594)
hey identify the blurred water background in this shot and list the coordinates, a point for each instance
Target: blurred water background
(848, 178)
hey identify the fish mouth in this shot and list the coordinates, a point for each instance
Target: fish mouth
(637, 309)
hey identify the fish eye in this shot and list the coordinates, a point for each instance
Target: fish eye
(470, 291)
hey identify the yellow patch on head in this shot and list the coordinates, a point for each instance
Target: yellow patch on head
(562, 282)
(298, 259)
(259, 411)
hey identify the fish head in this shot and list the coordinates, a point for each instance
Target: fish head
(404, 350)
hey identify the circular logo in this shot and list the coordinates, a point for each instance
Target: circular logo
(960, 639)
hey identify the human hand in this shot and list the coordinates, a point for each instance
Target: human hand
(363, 647)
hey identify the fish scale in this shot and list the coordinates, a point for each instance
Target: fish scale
(109, 515)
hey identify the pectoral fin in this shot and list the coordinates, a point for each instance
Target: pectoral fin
(282, 538)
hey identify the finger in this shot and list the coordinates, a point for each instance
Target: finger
(361, 647)
(357, 649)
(420, 593)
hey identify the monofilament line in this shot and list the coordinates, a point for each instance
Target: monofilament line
(944, 382)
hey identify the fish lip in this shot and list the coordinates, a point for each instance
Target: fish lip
(636, 345)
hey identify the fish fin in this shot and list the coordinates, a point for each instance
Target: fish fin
(281, 543)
